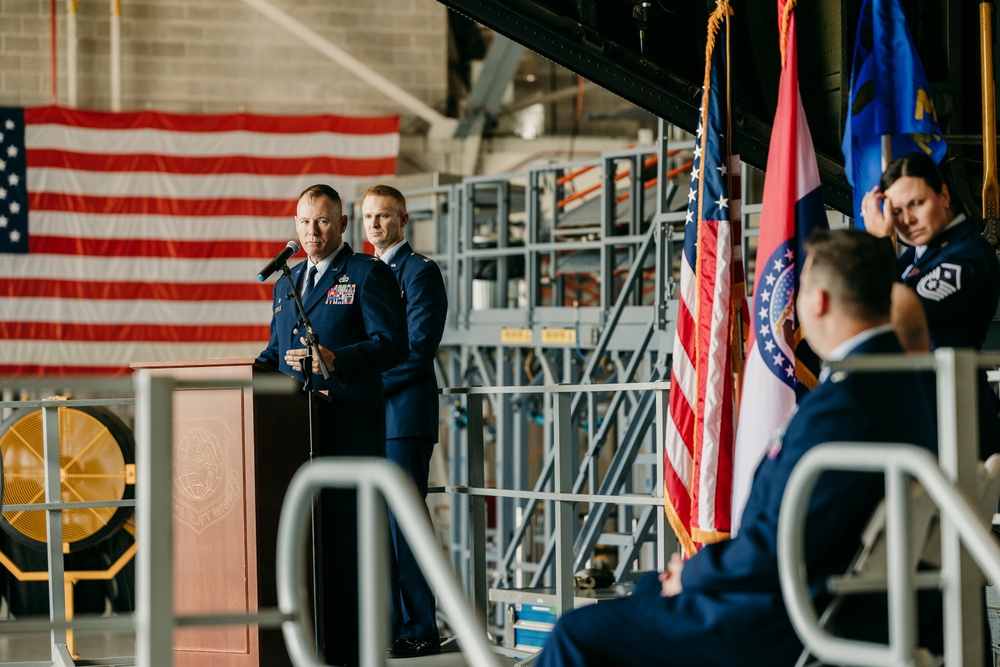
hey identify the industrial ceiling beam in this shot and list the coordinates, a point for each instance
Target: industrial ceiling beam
(637, 79)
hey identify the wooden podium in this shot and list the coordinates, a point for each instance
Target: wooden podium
(234, 455)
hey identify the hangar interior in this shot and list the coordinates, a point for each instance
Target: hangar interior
(545, 154)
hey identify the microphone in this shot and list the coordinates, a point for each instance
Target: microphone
(278, 261)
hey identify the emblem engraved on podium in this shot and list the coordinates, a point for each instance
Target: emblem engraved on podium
(206, 486)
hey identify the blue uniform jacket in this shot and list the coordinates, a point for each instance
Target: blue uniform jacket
(411, 391)
(958, 281)
(356, 311)
(735, 583)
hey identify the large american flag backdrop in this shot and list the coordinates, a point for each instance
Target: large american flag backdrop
(707, 353)
(138, 236)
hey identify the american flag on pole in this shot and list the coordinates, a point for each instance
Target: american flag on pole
(780, 365)
(138, 236)
(707, 348)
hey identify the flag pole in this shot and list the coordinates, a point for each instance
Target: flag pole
(886, 150)
(991, 191)
(886, 159)
(738, 282)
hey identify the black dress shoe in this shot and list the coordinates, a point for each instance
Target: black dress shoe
(406, 647)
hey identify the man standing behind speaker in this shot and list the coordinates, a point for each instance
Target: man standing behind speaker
(411, 413)
(353, 304)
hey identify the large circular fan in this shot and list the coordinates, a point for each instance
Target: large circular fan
(95, 457)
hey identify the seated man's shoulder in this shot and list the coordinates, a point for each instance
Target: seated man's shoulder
(875, 394)
(879, 406)
(884, 387)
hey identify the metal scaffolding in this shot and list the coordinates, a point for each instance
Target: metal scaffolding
(563, 273)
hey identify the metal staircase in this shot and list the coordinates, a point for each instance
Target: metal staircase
(563, 273)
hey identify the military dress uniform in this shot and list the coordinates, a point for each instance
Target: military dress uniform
(957, 277)
(730, 611)
(412, 406)
(356, 311)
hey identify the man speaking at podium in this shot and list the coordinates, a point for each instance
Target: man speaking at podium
(354, 305)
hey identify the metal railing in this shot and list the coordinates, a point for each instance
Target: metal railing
(900, 463)
(560, 469)
(155, 619)
(964, 538)
(376, 482)
(60, 633)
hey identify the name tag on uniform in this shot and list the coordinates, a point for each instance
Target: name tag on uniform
(341, 295)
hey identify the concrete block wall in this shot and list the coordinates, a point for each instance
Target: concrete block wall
(220, 56)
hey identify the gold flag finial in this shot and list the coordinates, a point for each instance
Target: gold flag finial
(786, 17)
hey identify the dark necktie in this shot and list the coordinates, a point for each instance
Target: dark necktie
(308, 285)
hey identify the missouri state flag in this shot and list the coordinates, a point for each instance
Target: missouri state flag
(779, 365)
(707, 352)
(889, 97)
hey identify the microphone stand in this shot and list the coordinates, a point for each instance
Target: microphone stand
(305, 367)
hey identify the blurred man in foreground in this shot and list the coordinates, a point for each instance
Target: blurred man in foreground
(724, 606)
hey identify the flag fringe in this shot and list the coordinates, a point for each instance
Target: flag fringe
(687, 544)
(709, 536)
(722, 11)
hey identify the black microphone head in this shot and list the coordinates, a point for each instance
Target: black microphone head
(279, 260)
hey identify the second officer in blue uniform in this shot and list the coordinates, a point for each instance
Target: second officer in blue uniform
(411, 394)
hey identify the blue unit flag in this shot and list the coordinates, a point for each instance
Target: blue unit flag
(889, 96)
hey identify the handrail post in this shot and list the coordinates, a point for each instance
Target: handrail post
(53, 524)
(373, 572)
(478, 584)
(562, 446)
(662, 398)
(154, 611)
(958, 438)
(902, 591)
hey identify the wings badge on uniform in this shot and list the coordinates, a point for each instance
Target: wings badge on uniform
(940, 282)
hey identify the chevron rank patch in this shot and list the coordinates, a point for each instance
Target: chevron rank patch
(940, 282)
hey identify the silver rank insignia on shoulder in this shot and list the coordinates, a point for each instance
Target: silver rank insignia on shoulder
(344, 279)
(838, 376)
(778, 437)
(774, 447)
(940, 282)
